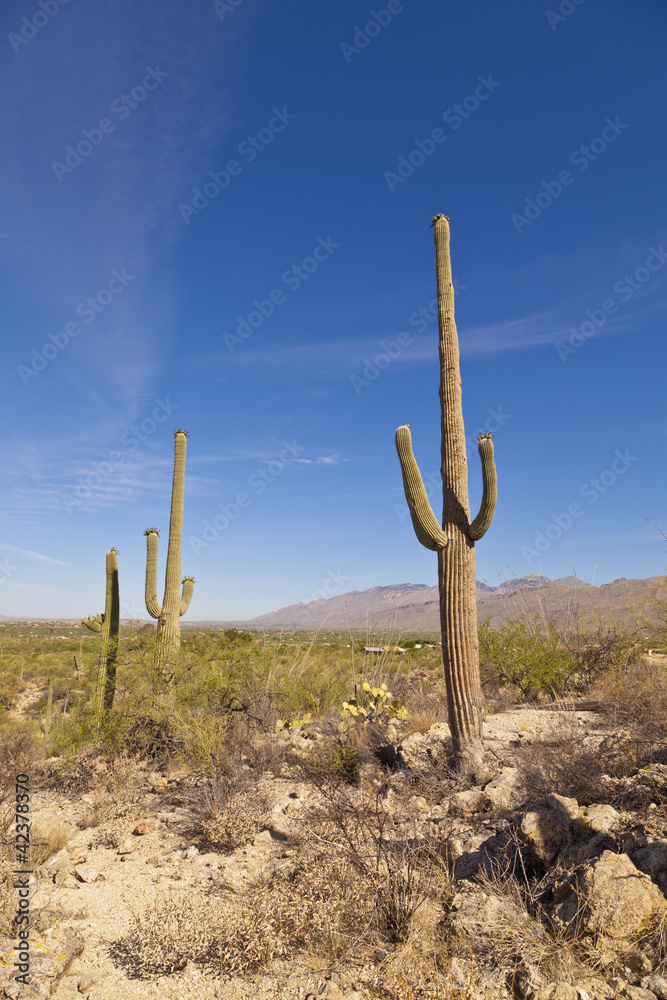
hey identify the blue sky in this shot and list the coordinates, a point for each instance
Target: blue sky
(216, 216)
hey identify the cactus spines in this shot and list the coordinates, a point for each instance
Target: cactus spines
(108, 625)
(174, 603)
(455, 540)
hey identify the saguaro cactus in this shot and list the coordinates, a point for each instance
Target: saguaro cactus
(455, 540)
(175, 604)
(108, 625)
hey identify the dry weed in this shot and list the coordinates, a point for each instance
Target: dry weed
(310, 906)
(399, 872)
(47, 837)
(117, 787)
(231, 814)
(526, 937)
(565, 764)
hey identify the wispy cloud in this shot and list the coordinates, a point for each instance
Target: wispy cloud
(75, 235)
(33, 555)
(334, 459)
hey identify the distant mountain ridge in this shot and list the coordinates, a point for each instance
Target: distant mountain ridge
(415, 607)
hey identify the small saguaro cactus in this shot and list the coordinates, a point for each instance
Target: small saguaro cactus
(108, 625)
(454, 541)
(175, 603)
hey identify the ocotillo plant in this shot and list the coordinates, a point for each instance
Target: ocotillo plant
(175, 604)
(108, 625)
(455, 540)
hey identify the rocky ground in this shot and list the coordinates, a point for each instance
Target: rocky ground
(594, 873)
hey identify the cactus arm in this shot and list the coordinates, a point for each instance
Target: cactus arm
(188, 587)
(482, 522)
(152, 606)
(94, 623)
(425, 523)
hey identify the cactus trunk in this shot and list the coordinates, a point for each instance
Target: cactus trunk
(455, 541)
(174, 603)
(108, 625)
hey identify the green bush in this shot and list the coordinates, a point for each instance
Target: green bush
(527, 655)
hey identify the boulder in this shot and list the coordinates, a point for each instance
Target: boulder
(506, 790)
(635, 993)
(473, 800)
(656, 984)
(86, 873)
(50, 959)
(556, 991)
(145, 826)
(547, 827)
(599, 818)
(652, 860)
(609, 898)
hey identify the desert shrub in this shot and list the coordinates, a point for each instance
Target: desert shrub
(20, 752)
(600, 644)
(634, 697)
(528, 655)
(231, 812)
(567, 764)
(654, 618)
(397, 871)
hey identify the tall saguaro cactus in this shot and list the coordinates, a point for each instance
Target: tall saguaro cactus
(454, 541)
(174, 604)
(108, 625)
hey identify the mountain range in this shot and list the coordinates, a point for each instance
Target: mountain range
(414, 606)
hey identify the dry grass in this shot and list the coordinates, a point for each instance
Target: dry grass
(47, 837)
